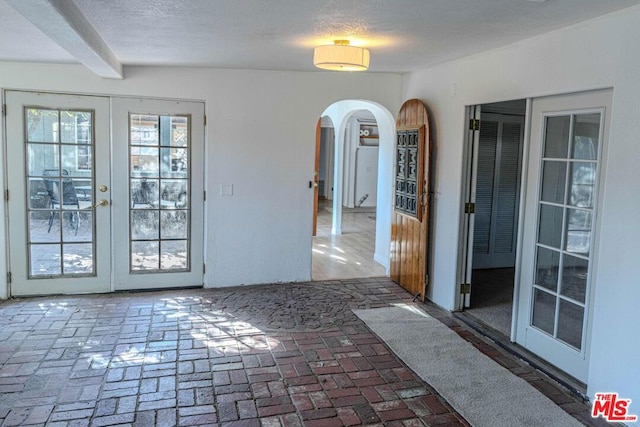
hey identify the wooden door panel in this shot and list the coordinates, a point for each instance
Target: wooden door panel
(394, 269)
(405, 226)
(409, 229)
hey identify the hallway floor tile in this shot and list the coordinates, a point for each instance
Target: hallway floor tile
(273, 355)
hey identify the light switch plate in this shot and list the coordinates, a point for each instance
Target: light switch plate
(226, 189)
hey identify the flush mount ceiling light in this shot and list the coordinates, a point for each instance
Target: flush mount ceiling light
(341, 56)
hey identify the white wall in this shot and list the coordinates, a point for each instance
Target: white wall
(366, 180)
(322, 162)
(351, 139)
(329, 148)
(260, 137)
(357, 181)
(596, 54)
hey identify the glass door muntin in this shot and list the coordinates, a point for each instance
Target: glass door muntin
(60, 187)
(159, 188)
(575, 248)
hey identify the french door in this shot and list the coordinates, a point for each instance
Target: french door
(57, 158)
(568, 134)
(93, 208)
(159, 215)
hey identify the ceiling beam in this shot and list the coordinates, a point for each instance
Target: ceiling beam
(62, 22)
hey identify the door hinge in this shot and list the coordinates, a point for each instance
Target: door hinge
(469, 208)
(204, 195)
(4, 109)
(204, 268)
(6, 195)
(474, 124)
(8, 277)
(205, 119)
(465, 288)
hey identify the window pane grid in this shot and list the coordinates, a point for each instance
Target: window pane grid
(560, 251)
(60, 234)
(159, 187)
(558, 295)
(568, 140)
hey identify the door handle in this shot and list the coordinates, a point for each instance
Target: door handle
(102, 202)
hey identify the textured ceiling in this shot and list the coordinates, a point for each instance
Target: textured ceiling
(403, 35)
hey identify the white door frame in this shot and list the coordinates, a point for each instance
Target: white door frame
(465, 268)
(465, 245)
(524, 178)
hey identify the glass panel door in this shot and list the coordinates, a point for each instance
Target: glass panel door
(566, 205)
(560, 228)
(56, 244)
(162, 144)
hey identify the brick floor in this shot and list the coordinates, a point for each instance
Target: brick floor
(276, 355)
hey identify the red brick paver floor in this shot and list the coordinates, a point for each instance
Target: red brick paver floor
(276, 355)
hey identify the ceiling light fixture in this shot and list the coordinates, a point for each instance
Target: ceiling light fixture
(341, 56)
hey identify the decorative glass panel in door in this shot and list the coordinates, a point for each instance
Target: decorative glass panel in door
(161, 143)
(567, 138)
(56, 233)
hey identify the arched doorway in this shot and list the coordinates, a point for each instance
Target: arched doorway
(348, 118)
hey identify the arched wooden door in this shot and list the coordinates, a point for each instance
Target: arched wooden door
(410, 220)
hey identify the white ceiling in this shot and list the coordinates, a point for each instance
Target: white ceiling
(402, 35)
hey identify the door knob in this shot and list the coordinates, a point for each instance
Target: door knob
(102, 202)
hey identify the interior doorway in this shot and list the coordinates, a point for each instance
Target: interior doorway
(349, 254)
(347, 119)
(556, 223)
(494, 202)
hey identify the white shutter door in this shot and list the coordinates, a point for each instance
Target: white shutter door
(484, 186)
(497, 191)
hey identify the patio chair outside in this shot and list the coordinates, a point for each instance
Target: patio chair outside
(67, 199)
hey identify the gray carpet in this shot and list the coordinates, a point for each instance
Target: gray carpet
(498, 316)
(483, 392)
(492, 298)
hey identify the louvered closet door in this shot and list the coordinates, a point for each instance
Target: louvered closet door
(497, 190)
